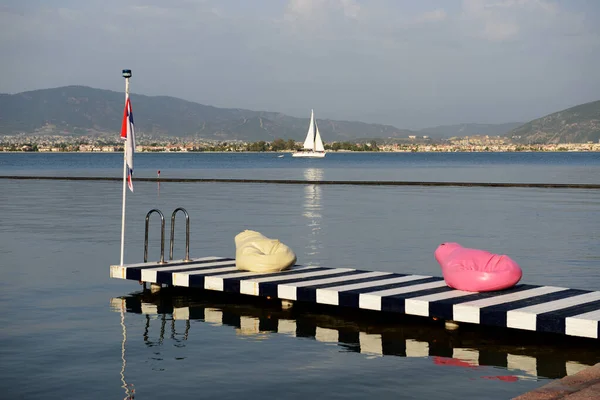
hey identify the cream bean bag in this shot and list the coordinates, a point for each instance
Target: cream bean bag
(257, 253)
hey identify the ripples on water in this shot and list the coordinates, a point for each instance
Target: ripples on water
(63, 319)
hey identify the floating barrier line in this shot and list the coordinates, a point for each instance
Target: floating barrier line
(309, 182)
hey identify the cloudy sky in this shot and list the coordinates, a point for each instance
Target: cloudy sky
(412, 64)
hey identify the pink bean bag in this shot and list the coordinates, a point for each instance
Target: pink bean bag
(475, 270)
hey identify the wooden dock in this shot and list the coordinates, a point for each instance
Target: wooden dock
(550, 309)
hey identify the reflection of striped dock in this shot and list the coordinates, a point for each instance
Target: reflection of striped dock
(560, 310)
(403, 343)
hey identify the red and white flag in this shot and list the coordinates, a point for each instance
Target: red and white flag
(127, 133)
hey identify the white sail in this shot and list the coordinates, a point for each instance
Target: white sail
(318, 141)
(313, 144)
(309, 142)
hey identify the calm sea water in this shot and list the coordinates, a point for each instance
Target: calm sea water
(468, 167)
(68, 331)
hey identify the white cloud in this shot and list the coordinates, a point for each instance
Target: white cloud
(316, 8)
(301, 7)
(432, 16)
(499, 20)
(499, 31)
(351, 8)
(540, 5)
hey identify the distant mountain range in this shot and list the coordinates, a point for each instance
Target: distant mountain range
(82, 110)
(577, 124)
(448, 131)
(79, 110)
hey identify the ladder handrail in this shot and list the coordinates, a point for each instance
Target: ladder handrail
(187, 234)
(162, 235)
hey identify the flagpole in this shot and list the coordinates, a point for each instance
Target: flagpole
(126, 75)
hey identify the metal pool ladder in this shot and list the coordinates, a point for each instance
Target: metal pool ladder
(162, 235)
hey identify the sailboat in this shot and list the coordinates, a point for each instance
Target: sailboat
(313, 145)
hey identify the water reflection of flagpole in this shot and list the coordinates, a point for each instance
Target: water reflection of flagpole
(129, 394)
(312, 207)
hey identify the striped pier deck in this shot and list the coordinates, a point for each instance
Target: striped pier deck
(572, 312)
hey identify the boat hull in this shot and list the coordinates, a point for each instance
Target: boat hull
(309, 154)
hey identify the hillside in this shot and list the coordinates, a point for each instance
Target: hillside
(81, 110)
(448, 131)
(577, 124)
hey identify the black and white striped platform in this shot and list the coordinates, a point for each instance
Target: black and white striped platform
(572, 312)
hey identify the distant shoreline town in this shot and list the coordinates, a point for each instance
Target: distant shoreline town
(57, 144)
